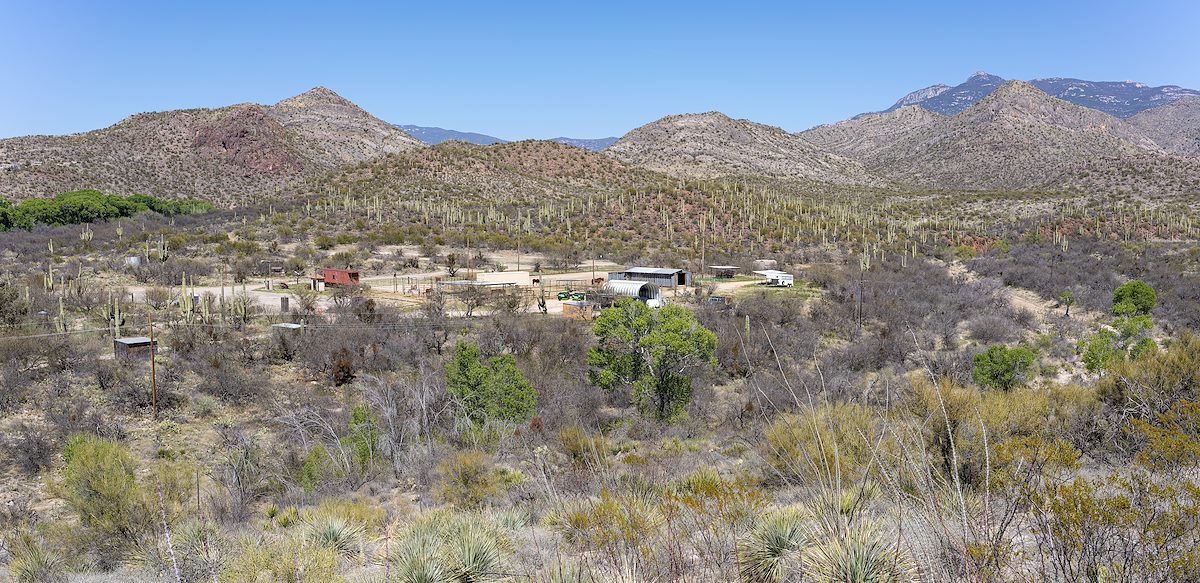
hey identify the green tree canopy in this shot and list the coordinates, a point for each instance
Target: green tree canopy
(1002, 367)
(88, 206)
(1134, 298)
(651, 353)
(495, 390)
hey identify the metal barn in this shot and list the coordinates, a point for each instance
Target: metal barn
(659, 276)
(339, 276)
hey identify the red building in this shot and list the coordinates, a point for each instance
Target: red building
(339, 276)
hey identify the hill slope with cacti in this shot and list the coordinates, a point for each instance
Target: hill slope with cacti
(709, 145)
(231, 156)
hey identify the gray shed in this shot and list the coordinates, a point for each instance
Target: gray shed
(133, 345)
(660, 276)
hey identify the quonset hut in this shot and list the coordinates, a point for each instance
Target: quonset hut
(644, 291)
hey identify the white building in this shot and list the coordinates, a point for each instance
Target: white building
(776, 278)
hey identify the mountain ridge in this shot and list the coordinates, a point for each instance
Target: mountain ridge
(1121, 99)
(229, 155)
(1017, 137)
(711, 144)
(433, 135)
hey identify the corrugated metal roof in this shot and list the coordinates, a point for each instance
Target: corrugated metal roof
(771, 273)
(629, 288)
(133, 340)
(652, 270)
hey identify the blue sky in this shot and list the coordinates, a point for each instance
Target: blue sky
(580, 69)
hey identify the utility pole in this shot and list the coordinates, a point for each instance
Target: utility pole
(153, 371)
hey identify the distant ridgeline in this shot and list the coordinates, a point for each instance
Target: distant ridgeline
(89, 206)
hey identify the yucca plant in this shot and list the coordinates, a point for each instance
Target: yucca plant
(862, 554)
(418, 560)
(334, 533)
(440, 547)
(474, 554)
(763, 553)
(32, 562)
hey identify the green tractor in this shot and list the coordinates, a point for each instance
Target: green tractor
(572, 295)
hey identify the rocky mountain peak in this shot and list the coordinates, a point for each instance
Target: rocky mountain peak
(315, 96)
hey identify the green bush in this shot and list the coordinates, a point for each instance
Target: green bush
(1002, 367)
(1134, 298)
(495, 391)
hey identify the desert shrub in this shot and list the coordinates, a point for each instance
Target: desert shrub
(282, 561)
(223, 377)
(317, 469)
(1002, 367)
(29, 447)
(341, 370)
(158, 297)
(242, 475)
(362, 440)
(1121, 528)
(709, 514)
(821, 445)
(623, 529)
(1171, 439)
(1146, 387)
(66, 414)
(585, 451)
(468, 479)
(354, 510)
(991, 329)
(116, 510)
(13, 307)
(204, 406)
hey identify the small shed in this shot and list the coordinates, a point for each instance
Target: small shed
(318, 283)
(765, 264)
(776, 278)
(659, 276)
(724, 271)
(334, 277)
(133, 346)
(643, 291)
